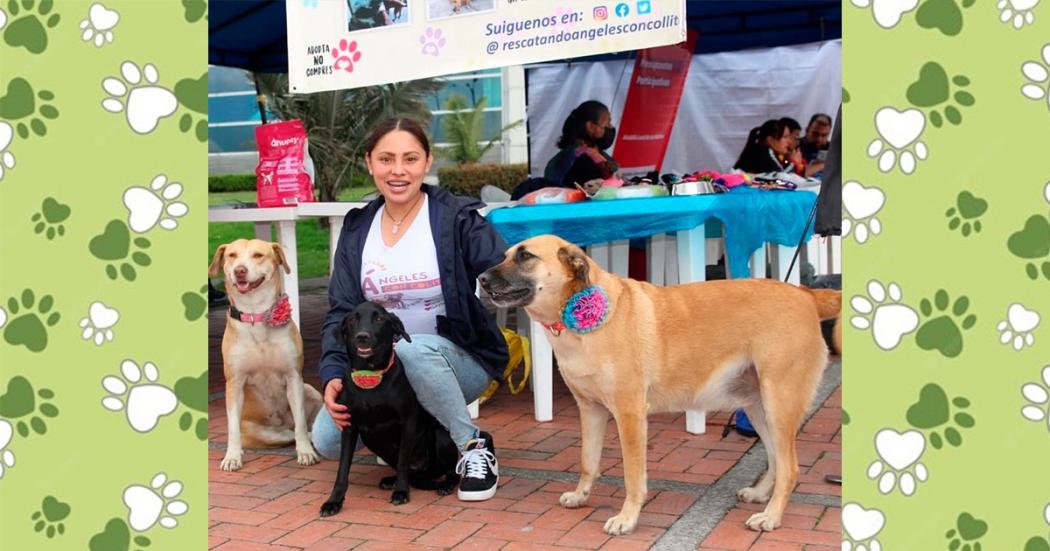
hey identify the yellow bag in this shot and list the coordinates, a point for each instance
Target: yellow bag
(520, 360)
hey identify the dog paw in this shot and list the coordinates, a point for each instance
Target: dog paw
(232, 461)
(752, 495)
(572, 500)
(331, 507)
(306, 455)
(762, 522)
(445, 488)
(399, 497)
(387, 482)
(620, 525)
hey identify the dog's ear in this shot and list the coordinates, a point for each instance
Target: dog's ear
(576, 262)
(399, 328)
(278, 252)
(344, 327)
(216, 262)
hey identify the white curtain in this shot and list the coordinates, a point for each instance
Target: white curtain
(726, 94)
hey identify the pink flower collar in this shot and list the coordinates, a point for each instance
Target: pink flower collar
(278, 315)
(584, 312)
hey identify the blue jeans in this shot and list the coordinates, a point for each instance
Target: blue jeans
(445, 378)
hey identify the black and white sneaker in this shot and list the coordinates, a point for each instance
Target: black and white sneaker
(479, 469)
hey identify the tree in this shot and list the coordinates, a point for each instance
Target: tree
(464, 129)
(338, 122)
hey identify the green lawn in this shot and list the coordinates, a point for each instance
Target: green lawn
(311, 239)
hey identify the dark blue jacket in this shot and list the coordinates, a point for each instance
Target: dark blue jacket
(466, 245)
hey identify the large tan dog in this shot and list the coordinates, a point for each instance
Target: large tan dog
(718, 345)
(267, 403)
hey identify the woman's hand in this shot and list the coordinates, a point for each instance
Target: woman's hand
(340, 413)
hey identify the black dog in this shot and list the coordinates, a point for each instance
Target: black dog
(384, 411)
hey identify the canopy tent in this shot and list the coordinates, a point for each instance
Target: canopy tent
(251, 34)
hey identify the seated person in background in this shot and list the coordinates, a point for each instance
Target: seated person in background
(793, 161)
(766, 146)
(816, 139)
(585, 135)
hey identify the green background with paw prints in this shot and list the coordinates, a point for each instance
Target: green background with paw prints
(85, 456)
(998, 153)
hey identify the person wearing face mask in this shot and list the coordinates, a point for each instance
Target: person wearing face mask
(585, 135)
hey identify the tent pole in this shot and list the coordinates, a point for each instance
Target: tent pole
(260, 99)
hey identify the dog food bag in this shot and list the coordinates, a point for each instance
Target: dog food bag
(284, 175)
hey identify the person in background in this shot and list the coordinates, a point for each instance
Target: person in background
(585, 136)
(437, 242)
(816, 139)
(766, 148)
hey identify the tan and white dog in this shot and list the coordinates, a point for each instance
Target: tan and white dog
(629, 348)
(267, 403)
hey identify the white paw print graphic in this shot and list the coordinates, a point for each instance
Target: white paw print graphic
(1046, 192)
(887, 12)
(147, 207)
(148, 505)
(98, 325)
(7, 159)
(888, 321)
(1038, 400)
(3, 317)
(3, 18)
(1018, 326)
(860, 205)
(7, 457)
(1020, 11)
(898, 464)
(144, 403)
(860, 526)
(901, 131)
(1037, 75)
(98, 26)
(144, 104)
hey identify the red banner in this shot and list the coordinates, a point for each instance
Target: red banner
(652, 104)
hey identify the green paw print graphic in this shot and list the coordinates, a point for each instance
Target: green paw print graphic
(30, 329)
(932, 89)
(968, 530)
(845, 418)
(1032, 243)
(20, 102)
(114, 245)
(50, 516)
(932, 411)
(193, 393)
(30, 30)
(20, 401)
(116, 537)
(194, 304)
(943, 15)
(194, 10)
(1037, 544)
(942, 333)
(845, 96)
(50, 218)
(967, 212)
(193, 95)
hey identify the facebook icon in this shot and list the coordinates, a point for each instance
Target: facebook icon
(622, 10)
(644, 7)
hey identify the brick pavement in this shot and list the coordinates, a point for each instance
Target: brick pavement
(272, 503)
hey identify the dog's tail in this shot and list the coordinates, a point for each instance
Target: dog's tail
(829, 306)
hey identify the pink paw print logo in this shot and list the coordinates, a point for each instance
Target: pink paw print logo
(346, 55)
(432, 41)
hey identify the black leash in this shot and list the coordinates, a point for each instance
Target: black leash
(802, 238)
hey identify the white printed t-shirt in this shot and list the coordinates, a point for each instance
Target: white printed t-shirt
(404, 278)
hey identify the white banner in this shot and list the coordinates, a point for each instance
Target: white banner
(340, 44)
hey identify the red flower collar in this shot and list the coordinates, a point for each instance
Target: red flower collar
(278, 315)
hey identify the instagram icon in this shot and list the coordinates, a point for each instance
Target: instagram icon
(601, 13)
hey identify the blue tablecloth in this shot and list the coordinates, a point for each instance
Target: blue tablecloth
(751, 217)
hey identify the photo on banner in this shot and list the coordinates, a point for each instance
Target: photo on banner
(378, 14)
(438, 9)
(947, 242)
(103, 209)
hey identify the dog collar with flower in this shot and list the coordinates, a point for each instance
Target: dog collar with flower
(584, 312)
(368, 379)
(276, 316)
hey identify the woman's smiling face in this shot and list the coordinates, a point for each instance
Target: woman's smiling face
(398, 164)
